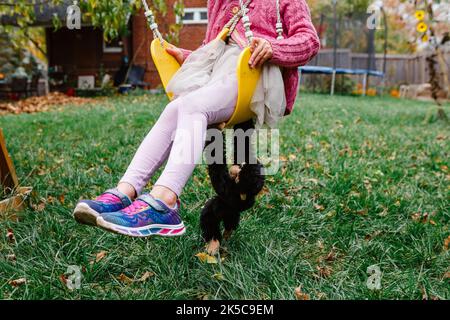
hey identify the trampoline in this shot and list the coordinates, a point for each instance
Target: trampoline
(333, 71)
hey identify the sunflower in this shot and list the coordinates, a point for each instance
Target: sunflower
(420, 15)
(422, 27)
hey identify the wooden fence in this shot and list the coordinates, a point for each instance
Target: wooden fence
(400, 68)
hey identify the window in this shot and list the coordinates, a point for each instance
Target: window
(113, 46)
(195, 16)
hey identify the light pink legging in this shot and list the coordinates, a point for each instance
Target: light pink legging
(179, 135)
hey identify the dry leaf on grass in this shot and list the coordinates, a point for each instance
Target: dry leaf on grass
(63, 279)
(99, 256)
(124, 278)
(146, 276)
(324, 271)
(11, 257)
(362, 212)
(127, 280)
(313, 180)
(39, 207)
(204, 257)
(299, 295)
(369, 237)
(18, 282)
(10, 236)
(423, 218)
(319, 207)
(447, 243)
(331, 256)
(42, 103)
(218, 276)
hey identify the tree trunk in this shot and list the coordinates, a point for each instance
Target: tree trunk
(435, 85)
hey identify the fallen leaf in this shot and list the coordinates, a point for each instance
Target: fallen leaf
(331, 256)
(218, 276)
(11, 257)
(146, 275)
(17, 282)
(204, 257)
(61, 198)
(372, 235)
(447, 275)
(63, 279)
(10, 236)
(99, 256)
(423, 218)
(42, 103)
(315, 181)
(384, 212)
(324, 271)
(319, 207)
(331, 214)
(299, 295)
(424, 293)
(320, 245)
(125, 279)
(321, 296)
(362, 212)
(416, 217)
(39, 207)
(447, 243)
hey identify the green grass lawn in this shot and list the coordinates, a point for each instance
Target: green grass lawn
(366, 183)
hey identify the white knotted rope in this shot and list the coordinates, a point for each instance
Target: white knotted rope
(152, 22)
(279, 25)
(231, 24)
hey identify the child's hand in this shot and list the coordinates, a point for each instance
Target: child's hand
(176, 53)
(261, 52)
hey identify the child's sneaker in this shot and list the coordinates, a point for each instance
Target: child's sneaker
(147, 216)
(87, 211)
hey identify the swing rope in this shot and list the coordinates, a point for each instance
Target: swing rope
(246, 22)
(231, 25)
(279, 24)
(152, 22)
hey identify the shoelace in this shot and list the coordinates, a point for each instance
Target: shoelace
(135, 206)
(107, 198)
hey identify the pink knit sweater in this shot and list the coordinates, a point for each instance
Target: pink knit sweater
(300, 42)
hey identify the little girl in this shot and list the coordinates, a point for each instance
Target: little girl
(205, 90)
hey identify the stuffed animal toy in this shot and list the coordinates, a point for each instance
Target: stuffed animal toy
(236, 188)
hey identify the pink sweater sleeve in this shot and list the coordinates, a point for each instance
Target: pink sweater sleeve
(302, 42)
(186, 53)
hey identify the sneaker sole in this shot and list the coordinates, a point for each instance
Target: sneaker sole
(161, 230)
(85, 215)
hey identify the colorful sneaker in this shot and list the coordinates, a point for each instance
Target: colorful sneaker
(87, 211)
(147, 216)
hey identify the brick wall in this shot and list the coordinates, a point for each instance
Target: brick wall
(191, 37)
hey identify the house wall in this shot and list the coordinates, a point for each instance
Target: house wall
(191, 37)
(80, 52)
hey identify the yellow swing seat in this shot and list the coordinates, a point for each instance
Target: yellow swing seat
(247, 77)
